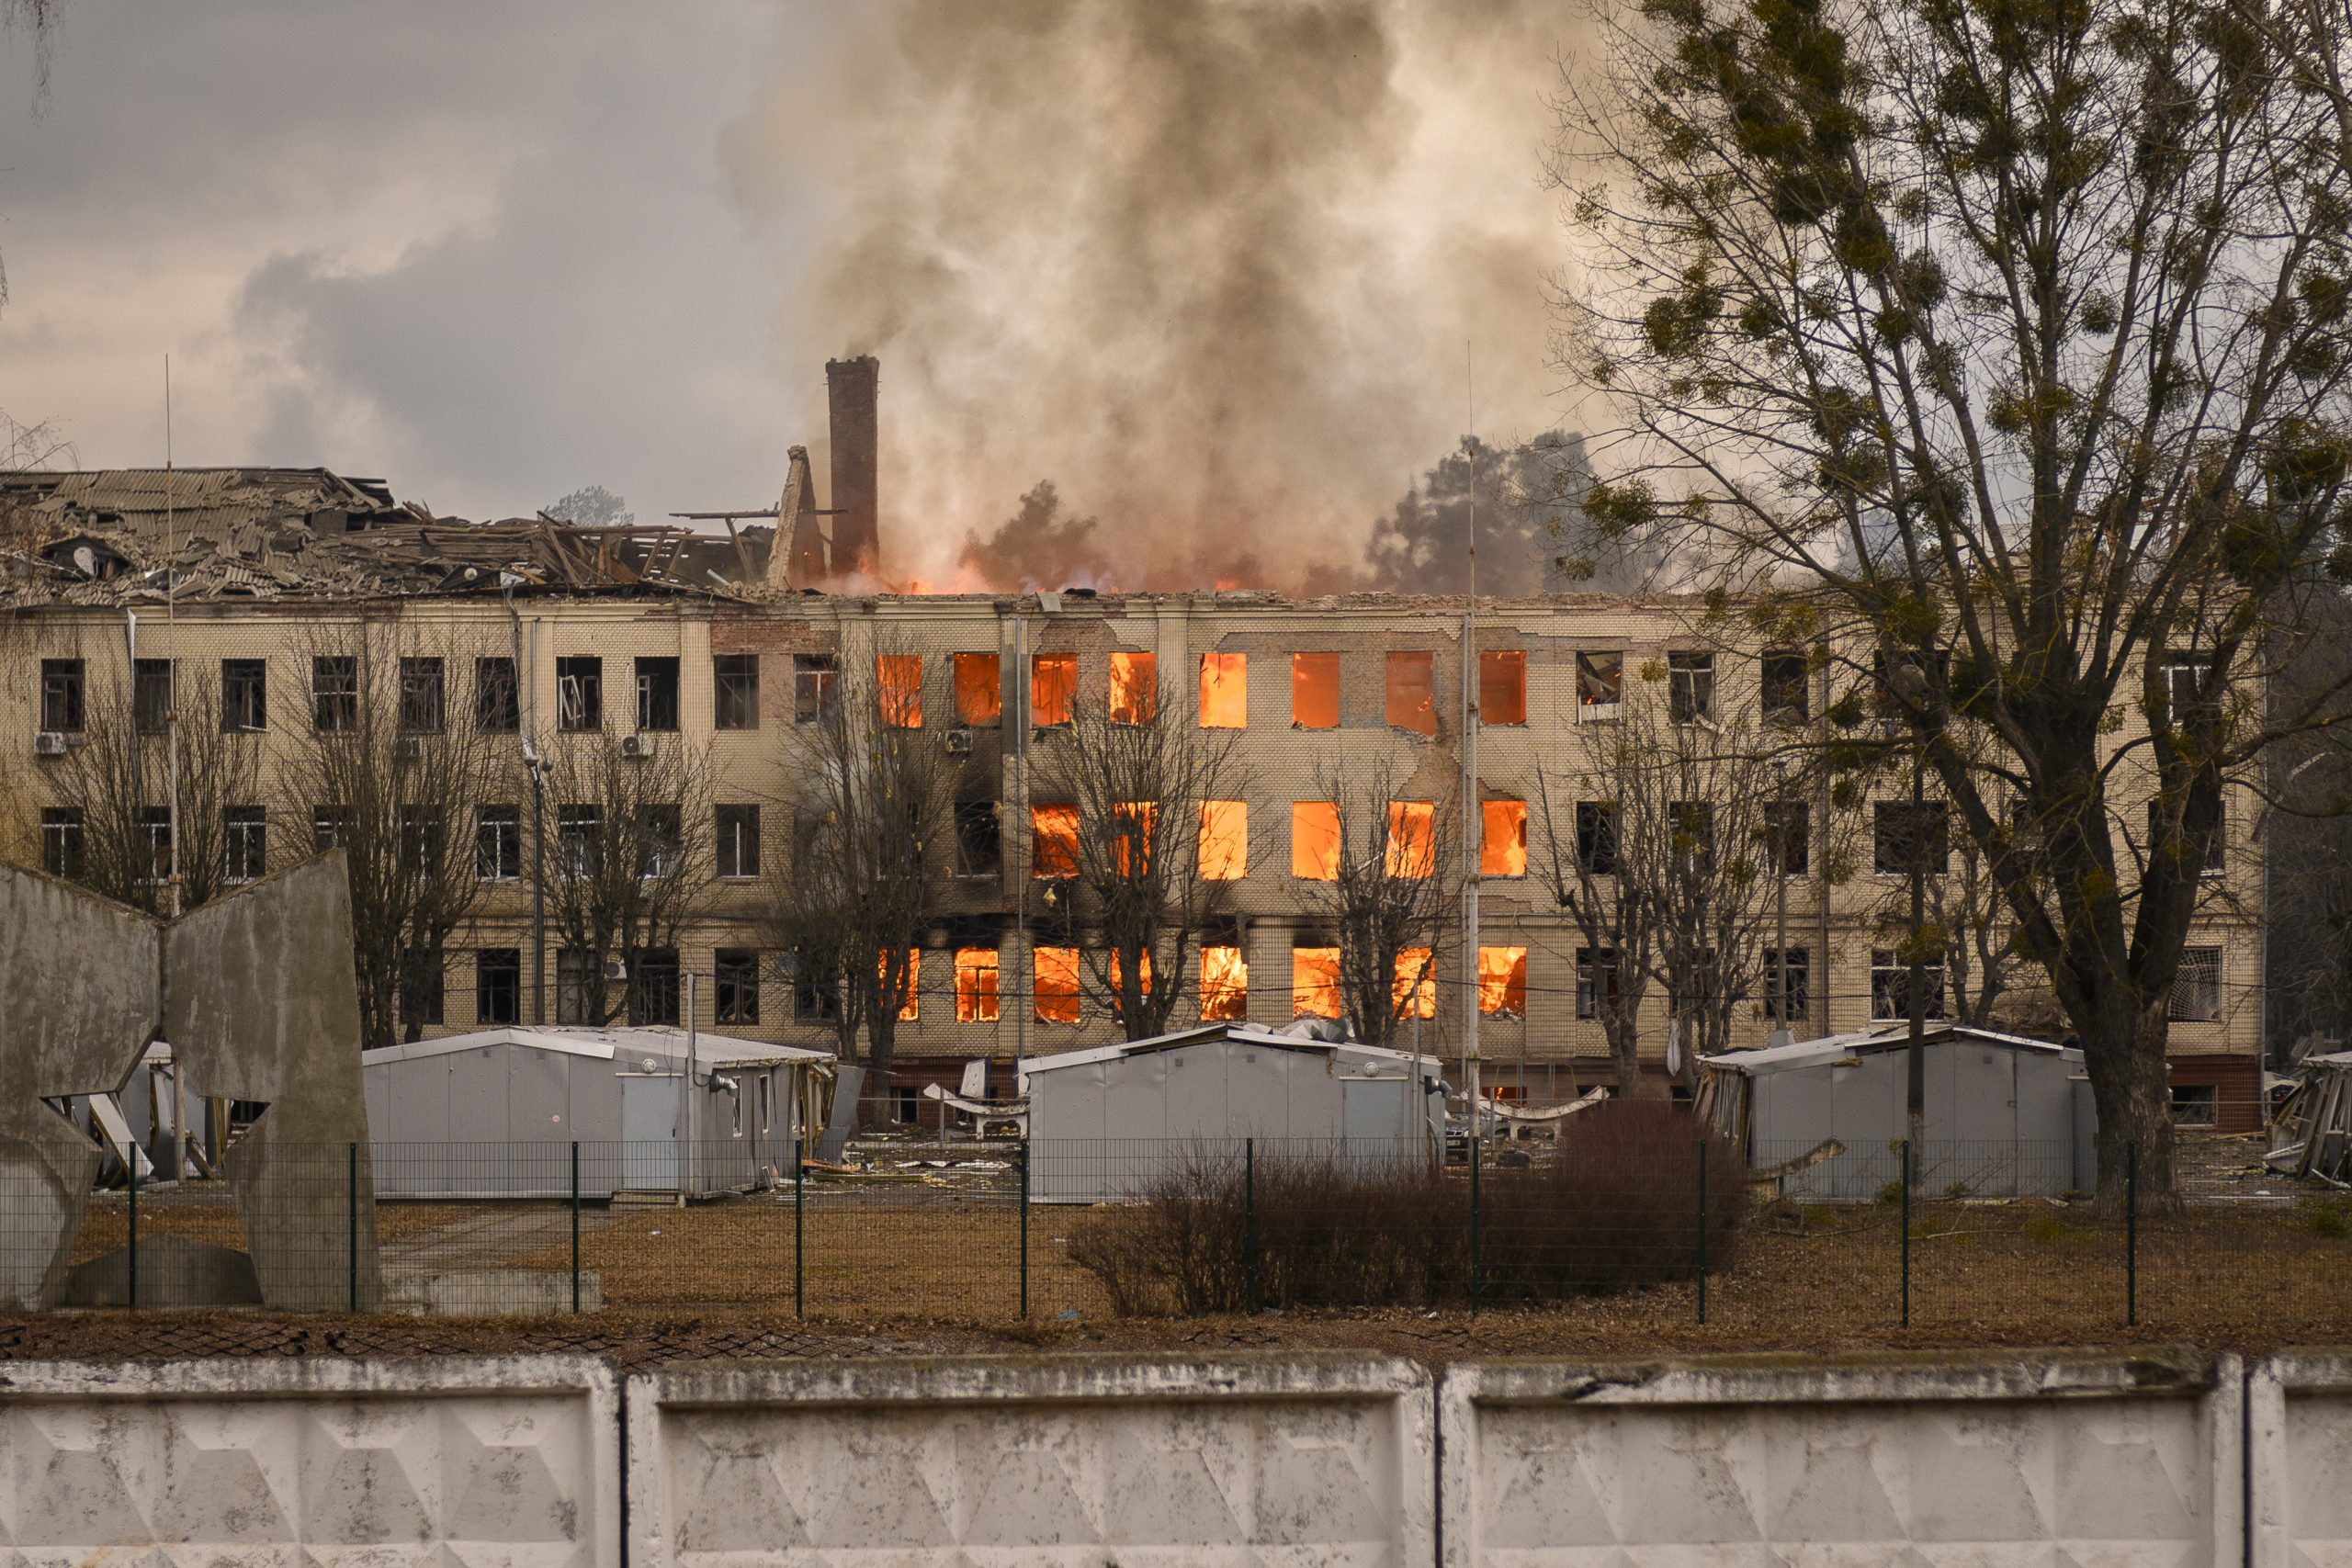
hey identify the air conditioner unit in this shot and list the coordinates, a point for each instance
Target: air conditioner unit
(959, 742)
(49, 743)
(637, 745)
(409, 748)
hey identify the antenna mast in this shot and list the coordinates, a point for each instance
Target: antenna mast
(1473, 817)
(171, 654)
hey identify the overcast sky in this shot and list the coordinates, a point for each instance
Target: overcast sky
(485, 251)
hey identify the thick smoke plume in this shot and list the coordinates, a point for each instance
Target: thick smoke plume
(1211, 265)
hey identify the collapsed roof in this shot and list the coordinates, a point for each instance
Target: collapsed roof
(134, 536)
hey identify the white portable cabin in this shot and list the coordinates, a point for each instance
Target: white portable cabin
(2006, 1116)
(1103, 1122)
(494, 1114)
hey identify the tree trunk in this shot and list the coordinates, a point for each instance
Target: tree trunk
(2134, 1106)
(881, 1039)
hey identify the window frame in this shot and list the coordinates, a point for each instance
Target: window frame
(334, 693)
(64, 696)
(579, 694)
(728, 820)
(734, 692)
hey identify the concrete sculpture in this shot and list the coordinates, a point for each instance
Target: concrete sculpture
(255, 992)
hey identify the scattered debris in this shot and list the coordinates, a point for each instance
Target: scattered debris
(2311, 1134)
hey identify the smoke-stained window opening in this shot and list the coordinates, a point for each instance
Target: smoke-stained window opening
(1691, 687)
(1057, 984)
(976, 1000)
(1798, 982)
(1225, 985)
(579, 694)
(735, 829)
(812, 687)
(1315, 839)
(1597, 838)
(1601, 684)
(735, 691)
(1412, 838)
(334, 693)
(1412, 693)
(735, 986)
(1502, 686)
(60, 695)
(424, 696)
(1315, 982)
(979, 691)
(1787, 684)
(244, 843)
(1053, 688)
(657, 693)
(1135, 688)
(1502, 838)
(2196, 987)
(1053, 840)
(979, 825)
(899, 679)
(1596, 980)
(1314, 691)
(498, 844)
(1412, 992)
(498, 986)
(498, 699)
(1225, 690)
(654, 989)
(1225, 841)
(151, 694)
(1891, 986)
(62, 841)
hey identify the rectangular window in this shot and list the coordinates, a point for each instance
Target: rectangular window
(421, 841)
(1691, 687)
(245, 695)
(1315, 982)
(1315, 839)
(657, 693)
(60, 695)
(976, 985)
(1800, 985)
(1056, 985)
(244, 843)
(814, 998)
(1225, 690)
(910, 1009)
(661, 842)
(737, 829)
(735, 986)
(1412, 693)
(1225, 986)
(1053, 840)
(424, 708)
(579, 694)
(1787, 686)
(1412, 990)
(1891, 986)
(153, 843)
(328, 824)
(1694, 834)
(1600, 683)
(2186, 678)
(1135, 688)
(334, 693)
(498, 986)
(579, 833)
(2196, 1104)
(150, 695)
(1788, 837)
(1225, 839)
(812, 687)
(1596, 980)
(1134, 825)
(579, 987)
(422, 987)
(2197, 986)
(498, 696)
(1502, 838)
(1502, 686)
(498, 844)
(1412, 838)
(735, 691)
(1314, 691)
(61, 841)
(1502, 982)
(1053, 688)
(653, 986)
(899, 677)
(980, 834)
(1902, 837)
(2216, 847)
(979, 690)
(1597, 838)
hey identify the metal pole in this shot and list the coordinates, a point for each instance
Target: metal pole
(686, 1168)
(1250, 1225)
(351, 1192)
(1024, 1226)
(1473, 1223)
(575, 1224)
(1782, 1034)
(1907, 1233)
(1914, 1090)
(2131, 1233)
(800, 1275)
(1472, 815)
(131, 1255)
(1702, 1230)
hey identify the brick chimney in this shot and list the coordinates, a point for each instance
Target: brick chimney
(857, 462)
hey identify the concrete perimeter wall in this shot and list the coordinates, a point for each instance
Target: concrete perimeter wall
(2147, 1456)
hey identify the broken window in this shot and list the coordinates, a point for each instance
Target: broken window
(244, 843)
(1117, 972)
(976, 985)
(245, 695)
(657, 693)
(980, 830)
(498, 844)
(1053, 842)
(1057, 987)
(498, 986)
(1131, 826)
(1788, 834)
(1597, 838)
(1135, 688)
(1797, 981)
(899, 679)
(61, 841)
(1225, 690)
(1502, 982)
(2215, 863)
(1596, 980)
(150, 695)
(653, 986)
(1412, 990)
(735, 691)
(1053, 687)
(578, 832)
(60, 695)
(812, 687)
(328, 824)
(661, 844)
(1891, 986)
(1601, 681)
(814, 997)
(1315, 839)
(1412, 838)
(910, 1008)
(334, 694)
(1412, 691)
(1502, 838)
(2197, 986)
(1691, 687)
(579, 987)
(498, 696)
(421, 706)
(1788, 686)
(1314, 691)
(153, 843)
(1903, 836)
(422, 987)
(737, 832)
(735, 986)
(579, 694)
(1225, 985)
(979, 690)
(1502, 686)
(1225, 841)
(1315, 982)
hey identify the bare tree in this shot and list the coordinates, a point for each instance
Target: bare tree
(1593, 811)
(1153, 846)
(1385, 896)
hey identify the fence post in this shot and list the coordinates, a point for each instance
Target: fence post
(575, 1224)
(130, 1253)
(1024, 1223)
(1702, 1230)
(1907, 1233)
(1250, 1225)
(799, 1183)
(1473, 1223)
(2131, 1233)
(351, 1206)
